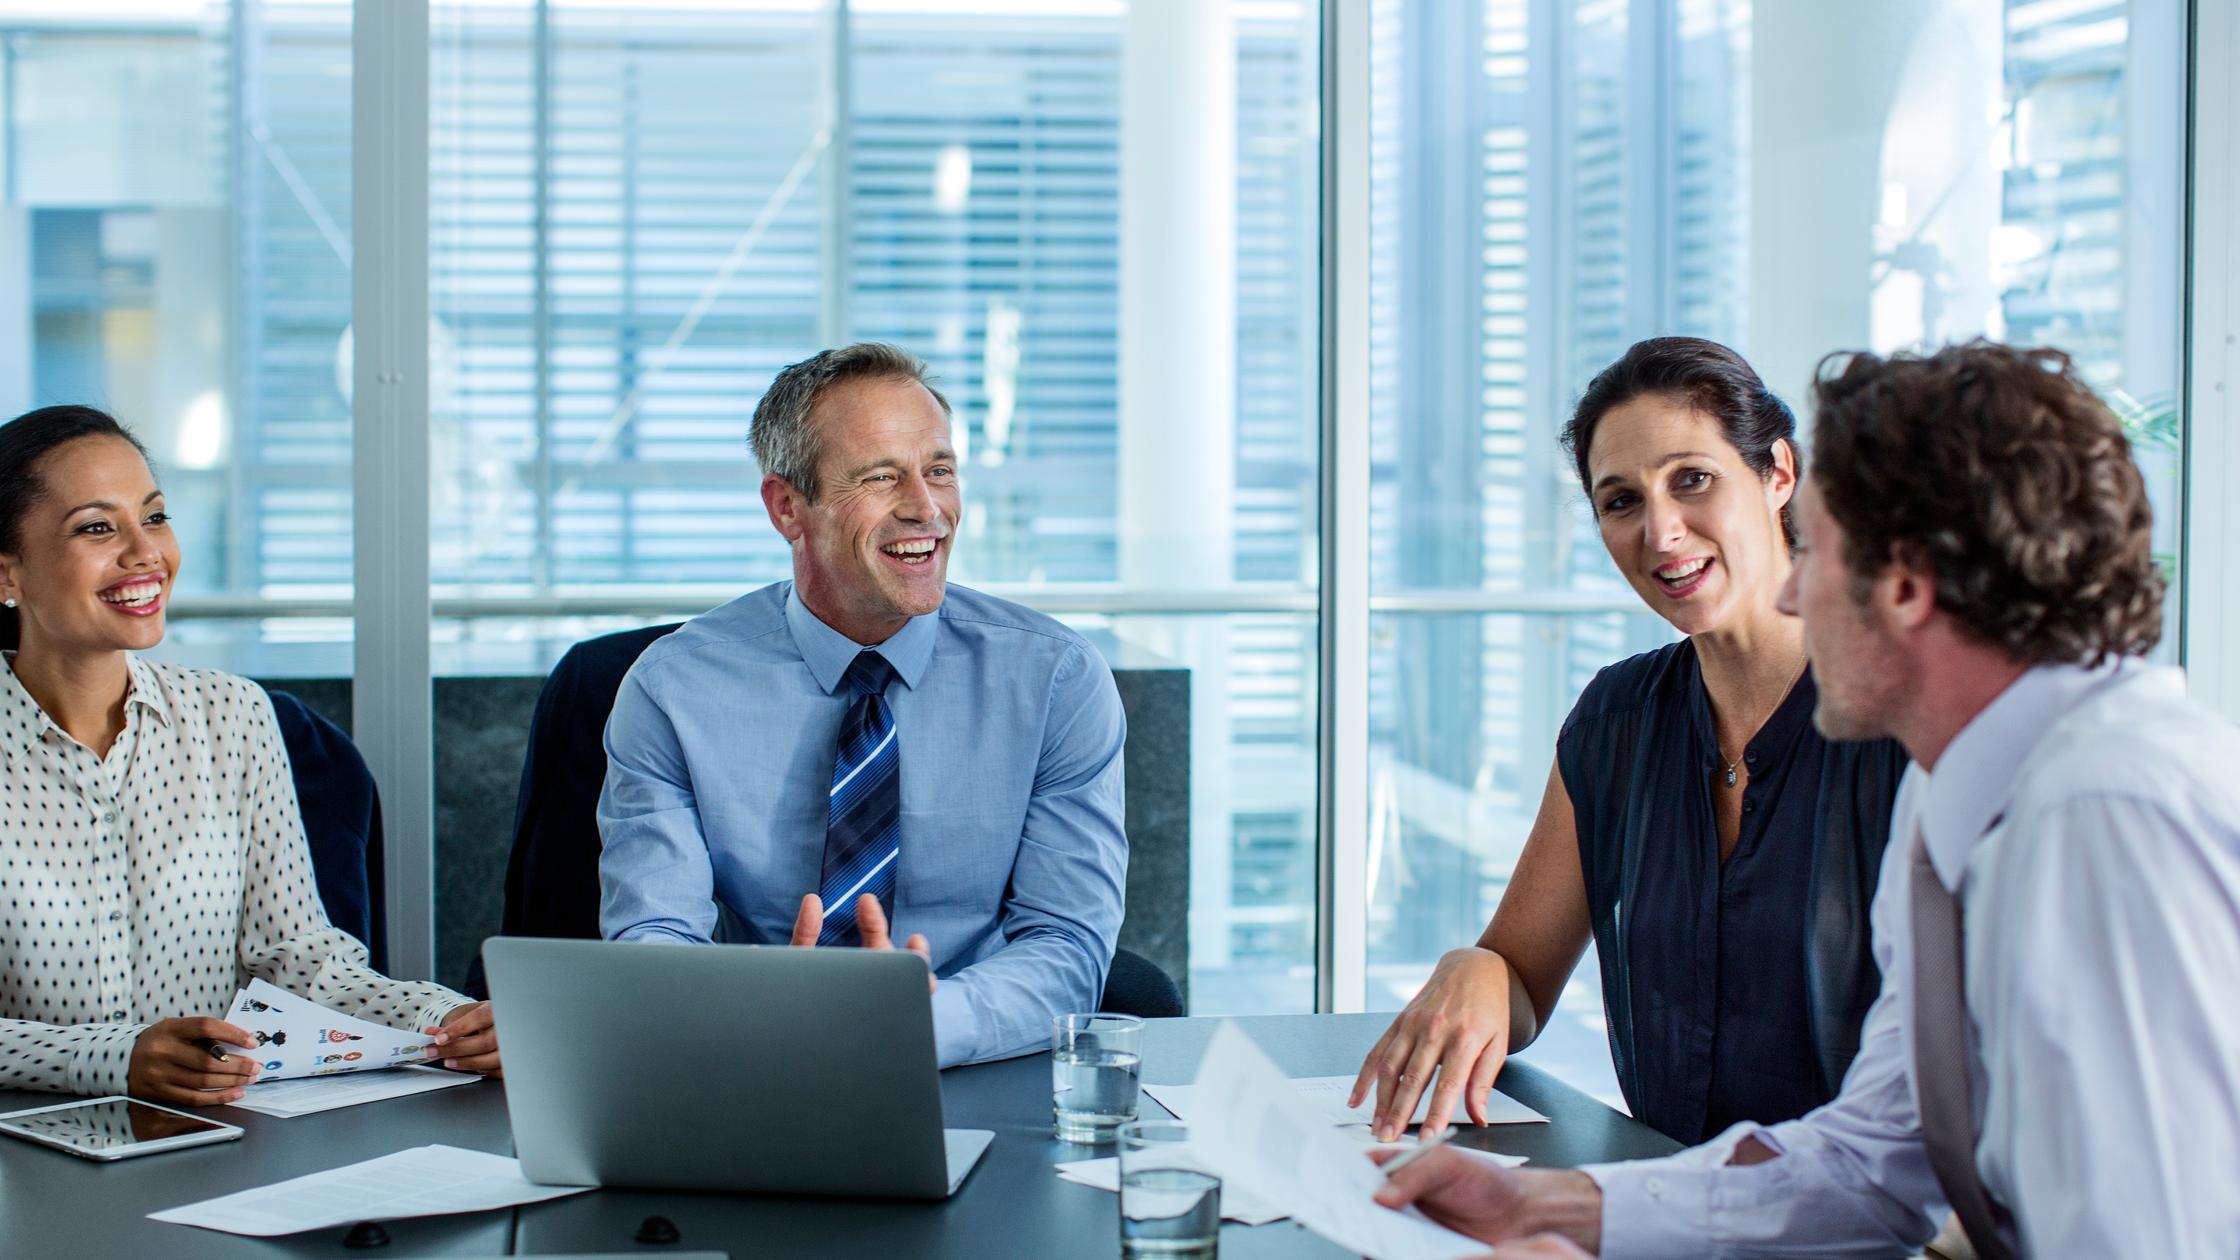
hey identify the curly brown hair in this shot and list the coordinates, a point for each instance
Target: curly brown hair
(2000, 472)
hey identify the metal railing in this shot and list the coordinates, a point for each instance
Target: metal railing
(1057, 600)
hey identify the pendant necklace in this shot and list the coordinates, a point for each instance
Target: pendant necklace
(1768, 717)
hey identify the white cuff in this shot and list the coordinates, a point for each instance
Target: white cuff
(1652, 1208)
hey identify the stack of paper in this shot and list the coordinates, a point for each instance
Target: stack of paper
(288, 1099)
(298, 1037)
(425, 1181)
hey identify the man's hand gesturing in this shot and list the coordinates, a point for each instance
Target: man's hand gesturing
(871, 923)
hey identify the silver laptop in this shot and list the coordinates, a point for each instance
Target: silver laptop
(724, 1067)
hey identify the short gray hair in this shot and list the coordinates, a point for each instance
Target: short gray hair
(785, 443)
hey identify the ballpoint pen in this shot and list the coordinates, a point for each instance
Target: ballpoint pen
(1416, 1152)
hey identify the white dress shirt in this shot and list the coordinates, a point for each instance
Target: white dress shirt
(2089, 822)
(148, 884)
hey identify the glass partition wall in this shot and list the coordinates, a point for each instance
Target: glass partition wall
(176, 246)
(1103, 222)
(1096, 221)
(1556, 179)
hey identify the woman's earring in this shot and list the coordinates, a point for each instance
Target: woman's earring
(11, 603)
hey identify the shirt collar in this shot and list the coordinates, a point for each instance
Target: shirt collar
(828, 652)
(23, 722)
(147, 689)
(1974, 779)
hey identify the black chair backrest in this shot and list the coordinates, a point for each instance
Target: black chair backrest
(552, 878)
(341, 810)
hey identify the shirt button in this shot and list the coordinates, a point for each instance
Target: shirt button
(109, 817)
(1747, 806)
(1750, 758)
(115, 915)
(118, 1017)
(1655, 1186)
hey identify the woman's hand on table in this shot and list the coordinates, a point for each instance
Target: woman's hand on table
(1456, 1028)
(184, 1062)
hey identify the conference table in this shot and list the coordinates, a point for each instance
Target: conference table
(1013, 1204)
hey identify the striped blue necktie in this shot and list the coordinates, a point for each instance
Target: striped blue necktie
(863, 823)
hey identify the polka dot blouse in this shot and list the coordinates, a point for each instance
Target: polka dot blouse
(151, 883)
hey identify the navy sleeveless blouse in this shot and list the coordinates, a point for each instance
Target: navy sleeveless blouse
(1734, 990)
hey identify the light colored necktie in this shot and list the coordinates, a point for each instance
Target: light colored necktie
(1941, 1055)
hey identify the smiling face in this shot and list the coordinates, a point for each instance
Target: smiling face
(1694, 529)
(873, 550)
(95, 556)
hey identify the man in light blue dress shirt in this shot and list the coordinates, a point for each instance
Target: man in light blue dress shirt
(722, 749)
(2053, 1056)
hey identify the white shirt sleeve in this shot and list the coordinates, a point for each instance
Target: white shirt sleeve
(1850, 1178)
(286, 938)
(2112, 1037)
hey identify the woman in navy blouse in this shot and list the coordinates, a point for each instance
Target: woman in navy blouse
(1719, 852)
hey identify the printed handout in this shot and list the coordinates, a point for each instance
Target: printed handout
(297, 1037)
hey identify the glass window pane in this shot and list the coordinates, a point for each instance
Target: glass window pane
(640, 212)
(177, 229)
(1555, 179)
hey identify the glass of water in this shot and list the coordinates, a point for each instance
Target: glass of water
(1094, 1068)
(1170, 1206)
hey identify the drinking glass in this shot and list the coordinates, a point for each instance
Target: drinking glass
(1094, 1067)
(1170, 1206)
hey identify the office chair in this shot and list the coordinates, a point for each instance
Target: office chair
(341, 810)
(552, 876)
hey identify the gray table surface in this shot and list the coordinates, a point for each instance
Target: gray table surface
(1012, 1204)
(55, 1204)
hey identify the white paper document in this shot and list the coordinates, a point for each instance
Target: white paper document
(1328, 1094)
(424, 1181)
(298, 1037)
(1237, 1205)
(289, 1099)
(1254, 1130)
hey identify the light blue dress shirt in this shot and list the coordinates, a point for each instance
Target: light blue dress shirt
(1013, 862)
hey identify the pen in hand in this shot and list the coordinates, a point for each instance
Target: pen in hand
(1416, 1152)
(217, 1050)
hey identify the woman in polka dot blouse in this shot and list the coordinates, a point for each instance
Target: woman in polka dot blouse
(151, 852)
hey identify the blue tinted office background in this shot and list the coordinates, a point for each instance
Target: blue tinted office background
(639, 212)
